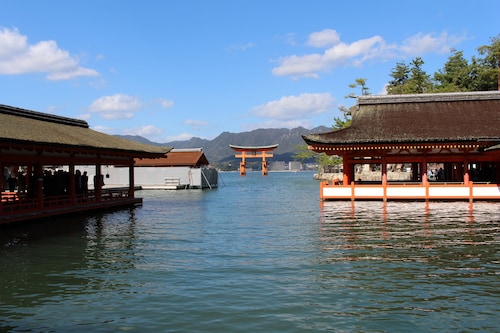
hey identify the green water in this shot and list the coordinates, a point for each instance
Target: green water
(256, 254)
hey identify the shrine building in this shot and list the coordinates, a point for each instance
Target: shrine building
(449, 143)
(42, 158)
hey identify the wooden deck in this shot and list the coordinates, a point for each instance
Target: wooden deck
(411, 191)
(16, 207)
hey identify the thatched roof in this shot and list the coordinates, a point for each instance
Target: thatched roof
(20, 126)
(447, 117)
(176, 158)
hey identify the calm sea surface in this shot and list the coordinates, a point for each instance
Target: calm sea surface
(258, 254)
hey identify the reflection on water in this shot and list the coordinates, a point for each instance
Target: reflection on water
(259, 253)
(418, 259)
(416, 230)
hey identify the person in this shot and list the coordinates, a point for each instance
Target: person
(78, 181)
(85, 182)
(21, 182)
(101, 180)
(440, 174)
(12, 181)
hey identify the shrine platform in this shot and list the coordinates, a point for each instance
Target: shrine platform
(16, 207)
(410, 191)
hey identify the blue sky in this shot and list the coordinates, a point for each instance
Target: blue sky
(172, 70)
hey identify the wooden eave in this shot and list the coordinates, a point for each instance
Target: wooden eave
(29, 134)
(416, 120)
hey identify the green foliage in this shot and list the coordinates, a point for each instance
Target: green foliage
(400, 75)
(324, 159)
(458, 74)
(481, 74)
(340, 123)
(490, 64)
(455, 75)
(302, 153)
(360, 82)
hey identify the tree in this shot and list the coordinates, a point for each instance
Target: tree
(360, 82)
(400, 75)
(455, 75)
(410, 79)
(342, 123)
(419, 82)
(491, 62)
(302, 153)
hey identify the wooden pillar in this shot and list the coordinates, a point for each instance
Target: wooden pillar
(384, 178)
(39, 184)
(72, 184)
(98, 182)
(415, 172)
(264, 164)
(2, 179)
(423, 172)
(29, 179)
(384, 172)
(497, 173)
(131, 179)
(243, 164)
(465, 172)
(348, 171)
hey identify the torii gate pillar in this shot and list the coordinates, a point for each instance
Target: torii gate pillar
(245, 152)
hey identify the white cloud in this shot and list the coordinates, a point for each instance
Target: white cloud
(421, 44)
(180, 137)
(323, 38)
(117, 106)
(196, 124)
(358, 52)
(144, 131)
(290, 108)
(165, 103)
(243, 47)
(103, 129)
(19, 57)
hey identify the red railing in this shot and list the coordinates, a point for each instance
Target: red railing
(15, 203)
(410, 191)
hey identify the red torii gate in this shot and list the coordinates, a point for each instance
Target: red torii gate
(245, 152)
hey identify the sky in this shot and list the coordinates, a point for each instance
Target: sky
(172, 70)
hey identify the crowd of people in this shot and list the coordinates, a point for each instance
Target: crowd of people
(55, 182)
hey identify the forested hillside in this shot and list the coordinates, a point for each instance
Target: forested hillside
(219, 153)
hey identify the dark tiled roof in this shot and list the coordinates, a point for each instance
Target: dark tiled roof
(175, 158)
(22, 126)
(419, 119)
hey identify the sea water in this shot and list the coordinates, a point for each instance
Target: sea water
(258, 254)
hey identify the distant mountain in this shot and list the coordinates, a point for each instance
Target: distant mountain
(218, 152)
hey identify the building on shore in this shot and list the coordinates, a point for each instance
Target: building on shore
(178, 169)
(458, 131)
(42, 155)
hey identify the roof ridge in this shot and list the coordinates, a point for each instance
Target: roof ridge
(19, 112)
(433, 97)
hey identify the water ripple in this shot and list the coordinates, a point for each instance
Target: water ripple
(256, 254)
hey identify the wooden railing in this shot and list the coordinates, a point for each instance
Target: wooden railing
(411, 191)
(12, 203)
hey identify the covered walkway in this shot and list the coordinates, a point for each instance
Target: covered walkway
(40, 155)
